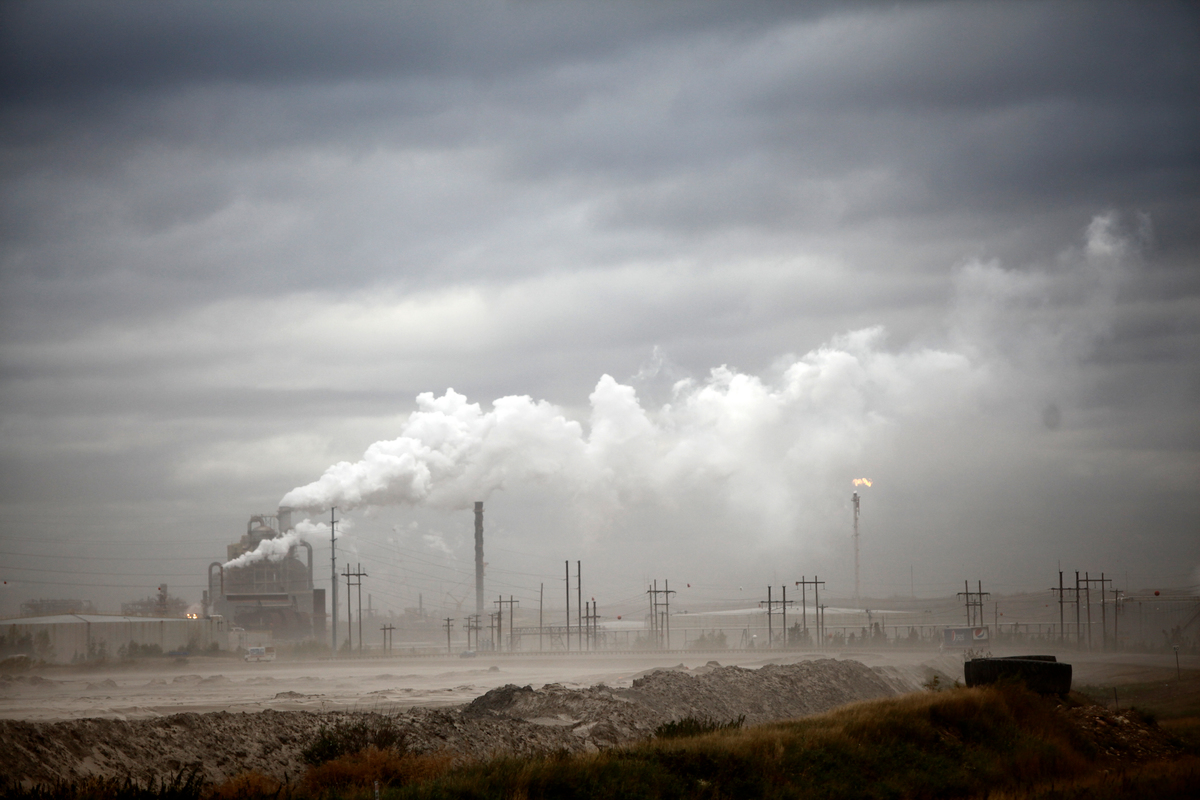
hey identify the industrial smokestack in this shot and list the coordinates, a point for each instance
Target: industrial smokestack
(285, 519)
(479, 559)
(857, 596)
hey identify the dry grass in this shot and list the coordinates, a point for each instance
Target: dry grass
(363, 769)
(961, 743)
(1169, 698)
(990, 743)
(248, 786)
(1161, 780)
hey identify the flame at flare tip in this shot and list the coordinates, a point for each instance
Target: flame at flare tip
(862, 482)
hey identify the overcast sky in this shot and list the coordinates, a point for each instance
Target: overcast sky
(951, 247)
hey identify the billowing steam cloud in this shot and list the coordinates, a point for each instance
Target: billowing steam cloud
(277, 549)
(268, 549)
(732, 429)
(750, 441)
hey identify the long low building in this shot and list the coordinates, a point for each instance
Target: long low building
(73, 638)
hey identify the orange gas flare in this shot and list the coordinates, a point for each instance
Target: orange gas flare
(862, 481)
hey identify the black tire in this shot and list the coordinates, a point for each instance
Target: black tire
(1039, 674)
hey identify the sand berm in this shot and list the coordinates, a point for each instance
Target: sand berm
(519, 720)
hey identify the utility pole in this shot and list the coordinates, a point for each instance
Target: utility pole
(785, 603)
(349, 611)
(541, 607)
(473, 626)
(770, 637)
(817, 584)
(333, 578)
(387, 636)
(974, 600)
(1103, 616)
(1063, 592)
(1087, 582)
(658, 629)
(499, 623)
(500, 633)
(579, 598)
(449, 621)
(568, 569)
(804, 584)
(492, 632)
(667, 596)
(771, 605)
(1061, 620)
(1087, 588)
(1079, 625)
(653, 632)
(360, 575)
(592, 617)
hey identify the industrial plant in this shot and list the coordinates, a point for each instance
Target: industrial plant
(274, 594)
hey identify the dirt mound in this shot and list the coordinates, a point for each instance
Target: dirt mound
(1125, 736)
(770, 693)
(515, 719)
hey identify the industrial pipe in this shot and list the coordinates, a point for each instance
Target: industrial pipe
(212, 594)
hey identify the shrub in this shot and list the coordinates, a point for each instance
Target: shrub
(690, 726)
(352, 733)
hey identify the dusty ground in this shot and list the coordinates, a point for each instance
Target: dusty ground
(228, 716)
(509, 718)
(162, 687)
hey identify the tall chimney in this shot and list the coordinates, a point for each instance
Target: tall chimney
(285, 519)
(479, 559)
(857, 599)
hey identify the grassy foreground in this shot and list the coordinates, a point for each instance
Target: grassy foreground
(996, 742)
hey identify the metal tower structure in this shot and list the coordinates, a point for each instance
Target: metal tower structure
(854, 498)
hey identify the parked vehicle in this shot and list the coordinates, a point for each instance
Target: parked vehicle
(260, 654)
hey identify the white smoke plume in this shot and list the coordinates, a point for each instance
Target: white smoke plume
(734, 430)
(275, 549)
(319, 531)
(759, 445)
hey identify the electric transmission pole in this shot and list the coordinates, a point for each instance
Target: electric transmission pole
(359, 575)
(500, 616)
(656, 627)
(333, 579)
(974, 601)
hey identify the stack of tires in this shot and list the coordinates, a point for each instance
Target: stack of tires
(1042, 674)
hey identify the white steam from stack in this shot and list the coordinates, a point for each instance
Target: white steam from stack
(277, 549)
(756, 444)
